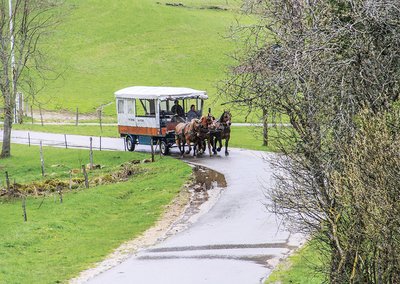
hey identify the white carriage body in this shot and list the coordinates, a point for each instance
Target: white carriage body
(155, 103)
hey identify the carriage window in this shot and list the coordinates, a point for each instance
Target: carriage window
(120, 106)
(198, 105)
(146, 108)
(165, 106)
(131, 106)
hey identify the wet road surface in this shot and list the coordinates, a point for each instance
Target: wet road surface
(236, 241)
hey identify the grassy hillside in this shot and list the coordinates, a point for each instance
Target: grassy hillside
(102, 46)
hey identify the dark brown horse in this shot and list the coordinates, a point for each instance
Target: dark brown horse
(223, 131)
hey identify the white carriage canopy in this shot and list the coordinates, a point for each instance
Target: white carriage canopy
(161, 93)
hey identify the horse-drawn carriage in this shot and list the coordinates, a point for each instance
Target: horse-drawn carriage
(150, 115)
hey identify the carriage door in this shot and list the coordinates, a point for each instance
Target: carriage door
(126, 112)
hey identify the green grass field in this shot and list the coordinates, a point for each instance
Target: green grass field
(101, 46)
(61, 239)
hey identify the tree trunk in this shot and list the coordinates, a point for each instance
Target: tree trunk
(265, 127)
(8, 120)
(20, 107)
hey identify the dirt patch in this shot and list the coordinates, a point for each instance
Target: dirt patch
(181, 5)
(184, 210)
(63, 116)
(48, 186)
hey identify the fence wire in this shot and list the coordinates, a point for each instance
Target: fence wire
(66, 141)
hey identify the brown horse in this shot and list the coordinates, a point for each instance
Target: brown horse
(204, 134)
(223, 131)
(188, 133)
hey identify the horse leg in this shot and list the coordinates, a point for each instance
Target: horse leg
(213, 141)
(220, 144)
(196, 148)
(190, 146)
(209, 146)
(178, 142)
(226, 146)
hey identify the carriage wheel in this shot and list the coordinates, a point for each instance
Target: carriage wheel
(164, 148)
(130, 143)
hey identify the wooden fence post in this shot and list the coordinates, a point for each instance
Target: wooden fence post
(61, 195)
(7, 182)
(65, 140)
(29, 139)
(41, 158)
(100, 143)
(24, 208)
(86, 176)
(152, 150)
(91, 154)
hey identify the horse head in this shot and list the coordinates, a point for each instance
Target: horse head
(195, 124)
(226, 118)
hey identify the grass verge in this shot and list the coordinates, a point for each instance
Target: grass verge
(298, 268)
(61, 239)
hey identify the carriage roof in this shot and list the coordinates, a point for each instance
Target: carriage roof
(161, 93)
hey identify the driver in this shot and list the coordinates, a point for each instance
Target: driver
(177, 109)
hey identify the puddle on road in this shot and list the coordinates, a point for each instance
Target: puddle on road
(208, 178)
(204, 192)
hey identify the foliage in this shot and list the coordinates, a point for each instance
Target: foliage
(332, 68)
(368, 210)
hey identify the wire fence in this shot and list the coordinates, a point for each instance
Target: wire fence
(69, 141)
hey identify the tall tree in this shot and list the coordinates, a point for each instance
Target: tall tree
(22, 25)
(336, 61)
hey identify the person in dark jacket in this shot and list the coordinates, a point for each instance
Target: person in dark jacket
(177, 109)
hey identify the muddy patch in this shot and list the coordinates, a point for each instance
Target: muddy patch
(193, 201)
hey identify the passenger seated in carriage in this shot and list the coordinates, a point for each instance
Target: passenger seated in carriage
(192, 113)
(177, 109)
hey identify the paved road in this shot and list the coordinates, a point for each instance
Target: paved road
(237, 241)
